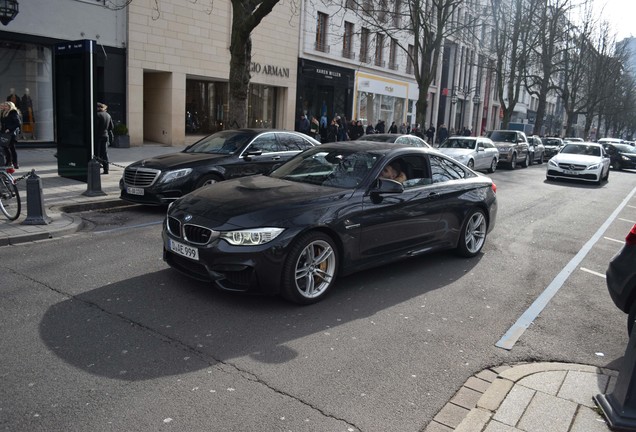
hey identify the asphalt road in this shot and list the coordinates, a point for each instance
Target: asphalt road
(99, 334)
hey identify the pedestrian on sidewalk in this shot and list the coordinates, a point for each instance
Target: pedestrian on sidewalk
(10, 122)
(103, 131)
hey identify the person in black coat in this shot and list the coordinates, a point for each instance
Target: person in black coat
(103, 129)
(10, 122)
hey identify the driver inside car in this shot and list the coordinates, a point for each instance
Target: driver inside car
(393, 171)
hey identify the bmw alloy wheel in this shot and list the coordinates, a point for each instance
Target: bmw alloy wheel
(310, 269)
(473, 234)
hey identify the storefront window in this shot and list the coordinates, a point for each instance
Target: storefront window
(373, 107)
(207, 106)
(261, 106)
(26, 79)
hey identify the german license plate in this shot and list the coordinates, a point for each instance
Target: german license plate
(570, 172)
(134, 190)
(184, 250)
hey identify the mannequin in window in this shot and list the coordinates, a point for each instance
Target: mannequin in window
(13, 97)
(28, 120)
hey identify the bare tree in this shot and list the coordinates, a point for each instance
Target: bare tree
(547, 56)
(515, 41)
(425, 23)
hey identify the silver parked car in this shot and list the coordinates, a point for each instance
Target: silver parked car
(537, 149)
(407, 139)
(552, 145)
(477, 153)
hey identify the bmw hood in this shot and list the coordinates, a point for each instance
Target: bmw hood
(178, 160)
(255, 201)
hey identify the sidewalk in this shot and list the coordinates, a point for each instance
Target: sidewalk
(59, 192)
(533, 397)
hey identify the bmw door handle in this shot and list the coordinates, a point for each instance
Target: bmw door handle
(432, 195)
(275, 157)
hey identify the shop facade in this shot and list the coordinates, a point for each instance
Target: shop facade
(380, 98)
(324, 91)
(27, 61)
(179, 65)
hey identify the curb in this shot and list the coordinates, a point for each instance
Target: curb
(63, 221)
(93, 205)
(477, 401)
(72, 225)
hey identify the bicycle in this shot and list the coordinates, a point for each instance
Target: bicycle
(10, 203)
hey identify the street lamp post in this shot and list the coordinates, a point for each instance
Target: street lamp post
(8, 10)
(465, 92)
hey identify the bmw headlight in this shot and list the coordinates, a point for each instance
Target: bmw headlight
(251, 237)
(169, 176)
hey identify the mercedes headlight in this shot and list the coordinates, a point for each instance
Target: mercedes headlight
(251, 237)
(625, 158)
(462, 158)
(552, 162)
(169, 176)
(593, 167)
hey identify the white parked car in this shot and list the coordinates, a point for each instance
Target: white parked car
(580, 161)
(477, 153)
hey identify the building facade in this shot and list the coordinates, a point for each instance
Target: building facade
(27, 61)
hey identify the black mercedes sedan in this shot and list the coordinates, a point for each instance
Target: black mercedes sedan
(331, 210)
(217, 157)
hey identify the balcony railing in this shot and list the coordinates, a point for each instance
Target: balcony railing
(349, 54)
(322, 46)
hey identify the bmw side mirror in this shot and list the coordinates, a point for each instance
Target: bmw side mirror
(386, 186)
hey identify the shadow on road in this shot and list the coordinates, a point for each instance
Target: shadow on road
(163, 324)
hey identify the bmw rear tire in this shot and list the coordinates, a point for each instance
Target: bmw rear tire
(473, 234)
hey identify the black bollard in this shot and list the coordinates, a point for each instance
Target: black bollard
(36, 212)
(619, 406)
(93, 180)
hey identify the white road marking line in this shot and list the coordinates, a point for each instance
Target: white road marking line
(513, 334)
(614, 240)
(593, 272)
(627, 220)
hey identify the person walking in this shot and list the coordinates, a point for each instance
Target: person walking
(103, 130)
(442, 133)
(430, 134)
(393, 128)
(10, 123)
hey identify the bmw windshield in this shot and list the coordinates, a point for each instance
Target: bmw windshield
(340, 168)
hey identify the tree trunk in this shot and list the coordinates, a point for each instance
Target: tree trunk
(239, 80)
